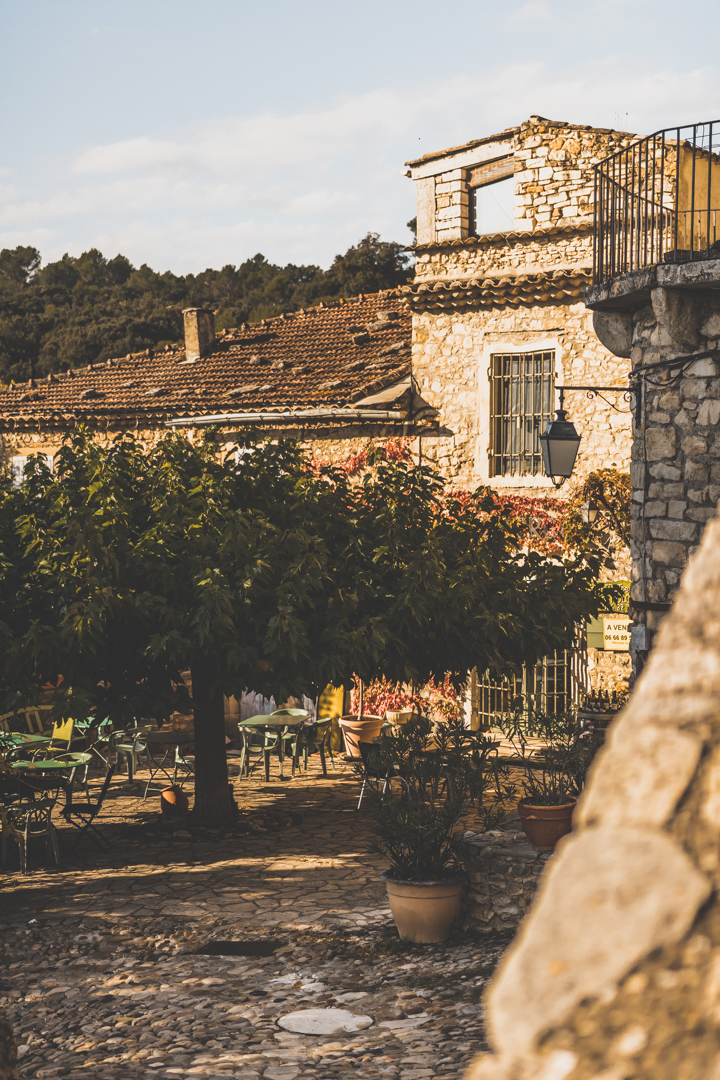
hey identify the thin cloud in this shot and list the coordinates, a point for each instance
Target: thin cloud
(303, 186)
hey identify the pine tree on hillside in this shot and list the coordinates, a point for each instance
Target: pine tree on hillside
(83, 310)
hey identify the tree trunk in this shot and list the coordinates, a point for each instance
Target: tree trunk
(213, 801)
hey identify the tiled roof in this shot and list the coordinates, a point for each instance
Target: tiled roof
(326, 356)
(485, 292)
(548, 232)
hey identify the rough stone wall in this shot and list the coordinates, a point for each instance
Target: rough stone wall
(607, 670)
(451, 352)
(503, 872)
(555, 181)
(25, 443)
(8, 1052)
(519, 254)
(676, 453)
(452, 204)
(327, 446)
(616, 971)
(451, 355)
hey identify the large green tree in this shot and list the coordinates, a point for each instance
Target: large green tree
(123, 568)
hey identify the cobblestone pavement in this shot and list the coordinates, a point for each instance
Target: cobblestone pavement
(101, 977)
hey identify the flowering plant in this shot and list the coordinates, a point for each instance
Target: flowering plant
(439, 701)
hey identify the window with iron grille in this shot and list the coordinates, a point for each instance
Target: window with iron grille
(522, 393)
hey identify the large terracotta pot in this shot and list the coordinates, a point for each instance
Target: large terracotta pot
(423, 910)
(545, 825)
(357, 731)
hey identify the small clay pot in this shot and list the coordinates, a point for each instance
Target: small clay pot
(356, 731)
(545, 825)
(173, 800)
(398, 717)
(423, 910)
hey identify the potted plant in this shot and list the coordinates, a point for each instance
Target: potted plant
(437, 779)
(359, 727)
(555, 756)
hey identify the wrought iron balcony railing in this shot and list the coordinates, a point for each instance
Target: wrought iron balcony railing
(658, 200)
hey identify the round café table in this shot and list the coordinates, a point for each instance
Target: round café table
(275, 728)
(48, 774)
(22, 741)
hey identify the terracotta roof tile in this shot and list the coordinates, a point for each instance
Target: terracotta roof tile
(308, 359)
(488, 292)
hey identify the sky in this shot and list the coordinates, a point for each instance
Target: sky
(195, 133)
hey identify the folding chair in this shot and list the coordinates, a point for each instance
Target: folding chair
(290, 736)
(316, 739)
(330, 707)
(87, 812)
(128, 745)
(183, 761)
(62, 733)
(374, 774)
(33, 720)
(168, 744)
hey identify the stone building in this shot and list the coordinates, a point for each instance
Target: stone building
(497, 323)
(656, 304)
(504, 253)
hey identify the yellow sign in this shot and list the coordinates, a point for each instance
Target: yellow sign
(616, 635)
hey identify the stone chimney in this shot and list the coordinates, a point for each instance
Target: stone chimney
(199, 332)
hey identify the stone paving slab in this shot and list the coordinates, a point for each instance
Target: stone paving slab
(101, 978)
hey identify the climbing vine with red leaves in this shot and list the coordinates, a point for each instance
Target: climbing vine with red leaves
(609, 493)
(550, 526)
(391, 450)
(540, 520)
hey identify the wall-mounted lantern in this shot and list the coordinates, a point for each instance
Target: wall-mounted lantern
(560, 441)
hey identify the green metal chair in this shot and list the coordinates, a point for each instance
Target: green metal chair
(258, 743)
(128, 745)
(315, 739)
(291, 737)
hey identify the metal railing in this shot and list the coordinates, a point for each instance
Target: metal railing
(658, 200)
(550, 687)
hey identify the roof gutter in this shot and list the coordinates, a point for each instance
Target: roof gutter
(287, 417)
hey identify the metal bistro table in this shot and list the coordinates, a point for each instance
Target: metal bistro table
(21, 814)
(64, 760)
(275, 728)
(18, 740)
(48, 774)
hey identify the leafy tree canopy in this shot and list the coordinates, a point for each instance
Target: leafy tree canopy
(124, 567)
(78, 311)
